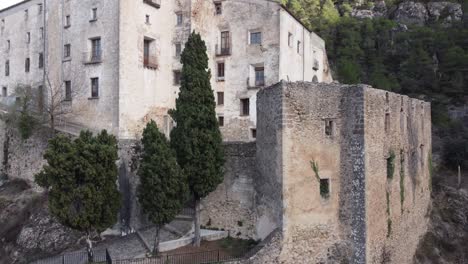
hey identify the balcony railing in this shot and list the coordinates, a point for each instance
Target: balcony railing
(92, 57)
(256, 83)
(225, 51)
(150, 62)
(153, 3)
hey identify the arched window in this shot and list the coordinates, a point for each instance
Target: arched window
(315, 79)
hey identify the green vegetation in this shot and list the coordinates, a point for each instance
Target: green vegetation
(237, 247)
(402, 179)
(197, 138)
(315, 168)
(389, 227)
(163, 188)
(391, 165)
(80, 177)
(21, 115)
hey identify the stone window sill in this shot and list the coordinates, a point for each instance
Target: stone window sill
(93, 98)
(92, 20)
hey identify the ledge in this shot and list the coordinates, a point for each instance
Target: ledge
(93, 98)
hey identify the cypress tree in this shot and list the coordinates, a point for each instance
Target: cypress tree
(163, 187)
(196, 138)
(81, 178)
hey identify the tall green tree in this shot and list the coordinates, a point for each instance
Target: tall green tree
(81, 177)
(163, 188)
(196, 138)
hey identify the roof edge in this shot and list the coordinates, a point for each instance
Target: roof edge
(15, 5)
(295, 17)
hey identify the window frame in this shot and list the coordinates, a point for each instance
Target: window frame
(67, 51)
(219, 98)
(27, 65)
(68, 91)
(218, 8)
(245, 107)
(256, 33)
(179, 19)
(259, 82)
(220, 71)
(95, 87)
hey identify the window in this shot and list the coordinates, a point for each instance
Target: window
(94, 15)
(149, 61)
(329, 127)
(299, 47)
(28, 37)
(180, 19)
(68, 91)
(147, 19)
(218, 8)
(290, 39)
(325, 188)
(94, 87)
(26, 14)
(67, 51)
(67, 21)
(245, 107)
(96, 49)
(41, 61)
(315, 79)
(177, 77)
(7, 68)
(178, 49)
(220, 71)
(256, 38)
(41, 32)
(27, 64)
(220, 98)
(221, 121)
(39, 9)
(4, 91)
(253, 133)
(225, 43)
(259, 76)
(8, 45)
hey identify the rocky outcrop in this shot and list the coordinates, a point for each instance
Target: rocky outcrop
(411, 13)
(445, 12)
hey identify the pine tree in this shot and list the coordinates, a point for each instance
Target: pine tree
(81, 177)
(163, 187)
(196, 138)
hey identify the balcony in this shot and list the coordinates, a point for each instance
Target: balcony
(226, 51)
(153, 3)
(92, 57)
(255, 83)
(150, 62)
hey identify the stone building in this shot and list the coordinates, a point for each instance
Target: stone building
(337, 172)
(116, 63)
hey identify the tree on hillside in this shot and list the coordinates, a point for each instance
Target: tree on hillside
(81, 177)
(163, 187)
(196, 138)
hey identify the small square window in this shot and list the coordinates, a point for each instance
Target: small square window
(256, 38)
(218, 8)
(325, 188)
(180, 19)
(221, 121)
(245, 106)
(220, 98)
(177, 77)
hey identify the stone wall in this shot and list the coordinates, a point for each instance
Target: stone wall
(232, 206)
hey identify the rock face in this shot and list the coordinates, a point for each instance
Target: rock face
(45, 233)
(411, 13)
(445, 12)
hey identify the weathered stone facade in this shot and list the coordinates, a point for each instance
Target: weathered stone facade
(133, 49)
(372, 147)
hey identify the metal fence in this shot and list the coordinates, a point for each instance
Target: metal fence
(80, 257)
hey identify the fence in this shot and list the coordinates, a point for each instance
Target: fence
(103, 256)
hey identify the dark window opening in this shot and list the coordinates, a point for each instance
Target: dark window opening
(68, 91)
(221, 121)
(219, 8)
(220, 70)
(290, 39)
(259, 76)
(329, 126)
(225, 43)
(94, 14)
(67, 51)
(149, 60)
(147, 20)
(253, 132)
(4, 91)
(67, 21)
(27, 65)
(180, 19)
(41, 60)
(220, 98)
(96, 52)
(94, 87)
(177, 77)
(7, 68)
(325, 188)
(245, 107)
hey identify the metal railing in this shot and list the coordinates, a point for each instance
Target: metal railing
(225, 51)
(92, 57)
(80, 257)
